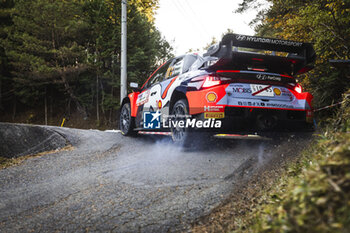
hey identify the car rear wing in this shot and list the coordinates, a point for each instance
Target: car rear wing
(280, 56)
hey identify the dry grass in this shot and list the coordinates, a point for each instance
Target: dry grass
(7, 162)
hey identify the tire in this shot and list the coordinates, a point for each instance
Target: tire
(126, 121)
(180, 135)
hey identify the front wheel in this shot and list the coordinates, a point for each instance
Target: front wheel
(126, 121)
(180, 112)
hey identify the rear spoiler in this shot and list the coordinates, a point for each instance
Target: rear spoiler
(299, 59)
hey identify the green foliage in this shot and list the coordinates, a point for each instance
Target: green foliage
(326, 23)
(73, 47)
(314, 196)
(213, 41)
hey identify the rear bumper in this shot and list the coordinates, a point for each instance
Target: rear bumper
(240, 108)
(238, 119)
(239, 95)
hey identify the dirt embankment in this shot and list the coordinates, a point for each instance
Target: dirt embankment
(18, 140)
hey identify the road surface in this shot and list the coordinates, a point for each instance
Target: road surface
(118, 184)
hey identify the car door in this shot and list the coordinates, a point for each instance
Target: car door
(168, 84)
(155, 94)
(151, 91)
(154, 88)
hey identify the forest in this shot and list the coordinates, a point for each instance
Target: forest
(61, 59)
(326, 24)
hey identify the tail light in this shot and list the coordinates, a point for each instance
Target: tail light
(207, 81)
(295, 87)
(298, 88)
(211, 81)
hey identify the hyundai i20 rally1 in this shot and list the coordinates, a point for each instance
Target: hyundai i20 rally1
(243, 84)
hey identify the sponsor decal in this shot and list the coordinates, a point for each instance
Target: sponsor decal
(284, 90)
(241, 37)
(261, 90)
(265, 77)
(159, 104)
(268, 40)
(151, 120)
(211, 97)
(215, 115)
(142, 98)
(277, 91)
(265, 96)
(279, 105)
(241, 90)
(261, 104)
(213, 108)
(251, 104)
(287, 93)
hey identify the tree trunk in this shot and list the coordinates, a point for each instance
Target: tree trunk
(51, 109)
(103, 98)
(0, 93)
(97, 104)
(14, 109)
(45, 105)
(111, 110)
(102, 102)
(70, 99)
(69, 90)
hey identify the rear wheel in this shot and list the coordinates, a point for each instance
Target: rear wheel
(126, 121)
(180, 111)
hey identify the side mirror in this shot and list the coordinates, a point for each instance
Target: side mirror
(134, 86)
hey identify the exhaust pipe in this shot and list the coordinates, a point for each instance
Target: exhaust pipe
(266, 121)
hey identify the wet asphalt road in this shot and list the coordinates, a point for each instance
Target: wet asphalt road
(119, 184)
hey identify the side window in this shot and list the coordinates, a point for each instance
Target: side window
(159, 75)
(188, 62)
(175, 68)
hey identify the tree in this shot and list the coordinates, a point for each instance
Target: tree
(326, 23)
(71, 50)
(146, 47)
(6, 7)
(45, 46)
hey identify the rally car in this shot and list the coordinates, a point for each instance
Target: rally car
(245, 83)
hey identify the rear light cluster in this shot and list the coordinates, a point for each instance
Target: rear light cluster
(208, 81)
(296, 87)
(211, 81)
